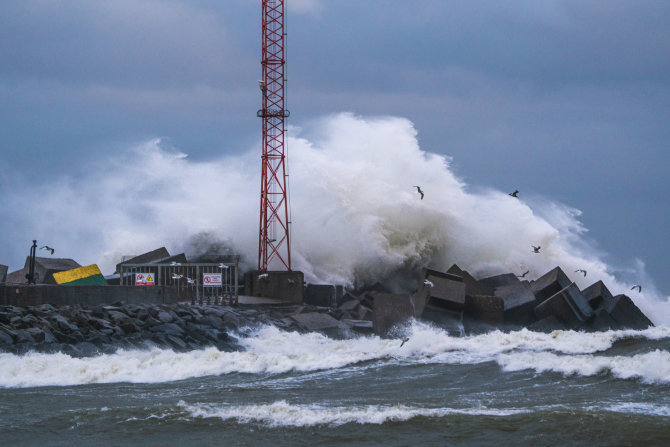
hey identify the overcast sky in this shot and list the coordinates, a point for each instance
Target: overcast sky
(569, 99)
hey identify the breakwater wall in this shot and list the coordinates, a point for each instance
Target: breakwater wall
(35, 295)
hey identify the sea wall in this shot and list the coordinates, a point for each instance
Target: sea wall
(36, 295)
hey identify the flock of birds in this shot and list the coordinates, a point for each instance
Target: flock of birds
(536, 248)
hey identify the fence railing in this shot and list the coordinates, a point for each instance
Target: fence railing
(193, 281)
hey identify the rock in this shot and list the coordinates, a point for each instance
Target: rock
(37, 334)
(568, 306)
(165, 317)
(486, 309)
(597, 295)
(472, 286)
(391, 310)
(547, 325)
(315, 321)
(5, 339)
(549, 284)
(627, 314)
(519, 303)
(349, 305)
(602, 321)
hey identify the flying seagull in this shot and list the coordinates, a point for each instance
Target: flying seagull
(428, 283)
(514, 194)
(223, 266)
(174, 263)
(536, 249)
(523, 275)
(175, 276)
(263, 276)
(189, 280)
(638, 287)
(581, 271)
(405, 340)
(418, 189)
(48, 249)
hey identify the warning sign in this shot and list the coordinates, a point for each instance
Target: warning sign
(144, 279)
(211, 279)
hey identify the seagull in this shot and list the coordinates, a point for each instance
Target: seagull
(263, 276)
(262, 86)
(523, 275)
(418, 189)
(405, 340)
(638, 287)
(291, 281)
(48, 249)
(536, 249)
(223, 266)
(175, 276)
(581, 271)
(173, 263)
(428, 283)
(514, 194)
(189, 280)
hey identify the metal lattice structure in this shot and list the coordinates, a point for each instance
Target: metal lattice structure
(273, 243)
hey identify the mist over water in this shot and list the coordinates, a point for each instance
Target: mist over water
(357, 217)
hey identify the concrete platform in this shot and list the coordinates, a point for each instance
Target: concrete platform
(281, 285)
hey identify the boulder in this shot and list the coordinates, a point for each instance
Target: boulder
(597, 295)
(482, 312)
(391, 309)
(447, 291)
(472, 286)
(549, 284)
(322, 295)
(603, 321)
(315, 321)
(568, 306)
(627, 314)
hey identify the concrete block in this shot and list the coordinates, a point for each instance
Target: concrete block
(549, 284)
(568, 306)
(447, 291)
(3, 273)
(472, 286)
(547, 325)
(485, 309)
(603, 321)
(46, 267)
(519, 302)
(17, 276)
(390, 310)
(315, 321)
(347, 297)
(145, 258)
(597, 295)
(419, 300)
(181, 258)
(450, 321)
(499, 280)
(350, 305)
(320, 295)
(627, 314)
(282, 285)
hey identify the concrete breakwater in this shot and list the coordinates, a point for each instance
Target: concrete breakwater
(84, 331)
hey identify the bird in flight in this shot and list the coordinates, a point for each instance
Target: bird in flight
(514, 194)
(581, 271)
(536, 249)
(523, 275)
(418, 189)
(638, 287)
(189, 280)
(263, 276)
(175, 276)
(405, 340)
(175, 264)
(428, 283)
(223, 266)
(48, 249)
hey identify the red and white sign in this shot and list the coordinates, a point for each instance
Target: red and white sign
(144, 279)
(211, 280)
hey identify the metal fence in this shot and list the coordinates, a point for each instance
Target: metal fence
(194, 282)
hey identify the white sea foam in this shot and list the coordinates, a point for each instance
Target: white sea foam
(356, 216)
(651, 367)
(273, 351)
(283, 414)
(640, 408)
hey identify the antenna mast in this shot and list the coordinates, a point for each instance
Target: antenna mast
(273, 240)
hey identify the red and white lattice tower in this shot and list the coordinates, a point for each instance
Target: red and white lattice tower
(273, 242)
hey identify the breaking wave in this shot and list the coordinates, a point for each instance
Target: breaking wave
(270, 350)
(356, 216)
(283, 414)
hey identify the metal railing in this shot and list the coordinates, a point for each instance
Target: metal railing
(193, 281)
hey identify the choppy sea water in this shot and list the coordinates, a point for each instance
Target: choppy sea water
(282, 388)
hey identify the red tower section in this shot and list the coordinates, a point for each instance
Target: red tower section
(273, 242)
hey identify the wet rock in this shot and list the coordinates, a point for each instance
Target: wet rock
(568, 306)
(472, 286)
(603, 321)
(315, 321)
(597, 295)
(627, 314)
(493, 282)
(391, 310)
(447, 291)
(519, 303)
(486, 309)
(547, 325)
(322, 295)
(550, 284)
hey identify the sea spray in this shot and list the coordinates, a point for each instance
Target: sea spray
(357, 218)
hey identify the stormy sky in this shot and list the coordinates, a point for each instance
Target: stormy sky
(564, 99)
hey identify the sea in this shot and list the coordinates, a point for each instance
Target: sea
(280, 388)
